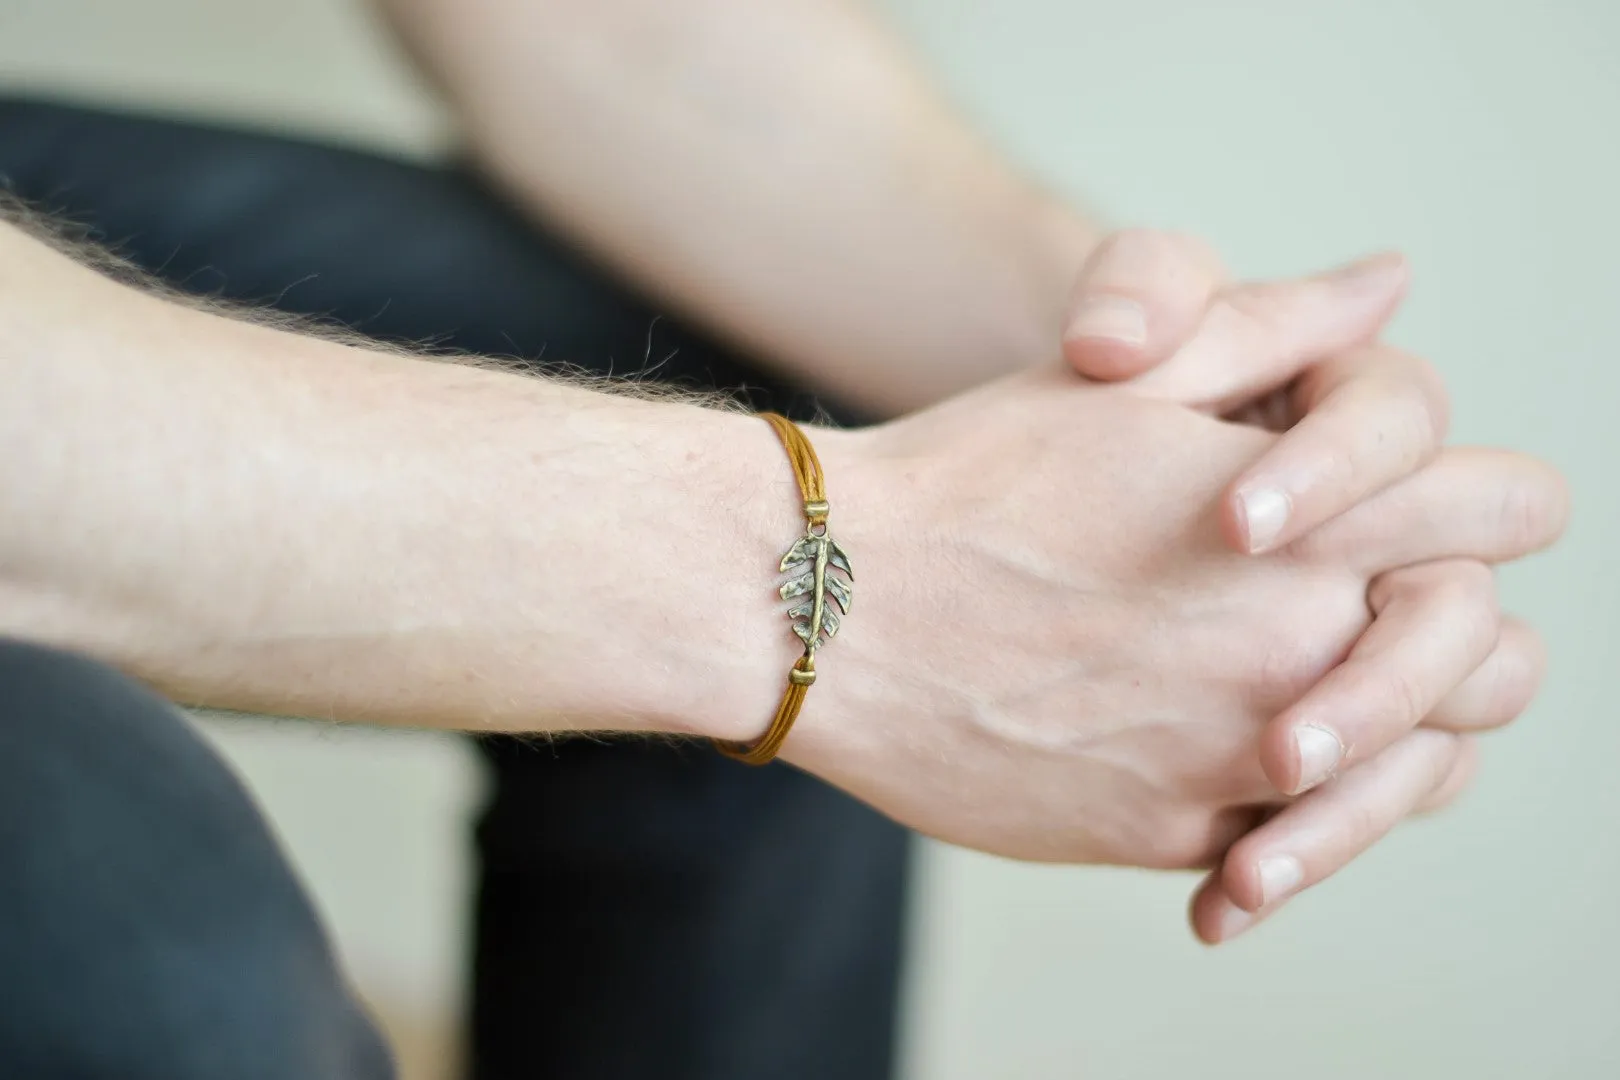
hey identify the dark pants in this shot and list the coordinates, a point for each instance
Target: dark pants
(642, 911)
(149, 928)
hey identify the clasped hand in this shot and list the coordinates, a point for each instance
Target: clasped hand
(1233, 609)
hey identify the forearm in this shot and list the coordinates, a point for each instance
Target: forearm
(779, 170)
(255, 519)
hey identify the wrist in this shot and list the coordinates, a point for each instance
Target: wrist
(749, 648)
(860, 690)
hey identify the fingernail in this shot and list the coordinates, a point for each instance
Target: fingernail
(1233, 921)
(1103, 317)
(1265, 512)
(1280, 875)
(1319, 753)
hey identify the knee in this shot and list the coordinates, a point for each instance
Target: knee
(73, 730)
(50, 697)
(147, 908)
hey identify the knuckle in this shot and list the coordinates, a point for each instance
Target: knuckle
(1443, 799)
(1283, 672)
(1530, 517)
(1464, 588)
(1181, 841)
(1291, 666)
(1439, 402)
(1452, 780)
(1467, 581)
(1496, 703)
(1431, 390)
(1440, 762)
(1286, 669)
(1531, 665)
(1300, 642)
(1343, 465)
(1473, 576)
(1470, 587)
(1411, 427)
(1198, 254)
(1259, 316)
(1388, 424)
(1359, 824)
(1403, 702)
(1515, 678)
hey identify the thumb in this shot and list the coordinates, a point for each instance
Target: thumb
(1141, 295)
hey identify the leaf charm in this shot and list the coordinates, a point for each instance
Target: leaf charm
(823, 561)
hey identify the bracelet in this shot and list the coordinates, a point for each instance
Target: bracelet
(822, 596)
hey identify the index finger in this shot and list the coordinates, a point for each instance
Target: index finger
(1370, 417)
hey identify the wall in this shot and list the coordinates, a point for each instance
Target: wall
(1484, 139)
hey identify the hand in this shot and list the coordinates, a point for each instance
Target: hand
(1055, 657)
(1365, 415)
(1156, 312)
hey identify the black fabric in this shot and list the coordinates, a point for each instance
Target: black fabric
(643, 910)
(149, 927)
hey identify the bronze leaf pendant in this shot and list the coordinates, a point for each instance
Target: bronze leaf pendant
(826, 585)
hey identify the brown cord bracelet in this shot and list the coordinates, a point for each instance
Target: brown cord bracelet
(822, 589)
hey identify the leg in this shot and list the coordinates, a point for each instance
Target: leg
(149, 926)
(643, 910)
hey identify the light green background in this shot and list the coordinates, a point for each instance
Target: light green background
(1482, 138)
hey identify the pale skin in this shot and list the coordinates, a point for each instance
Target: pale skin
(253, 519)
(782, 172)
(256, 519)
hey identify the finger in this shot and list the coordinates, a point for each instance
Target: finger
(1140, 297)
(1320, 834)
(1499, 689)
(1216, 919)
(1433, 625)
(1370, 417)
(1202, 840)
(1255, 338)
(1462, 774)
(1492, 505)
